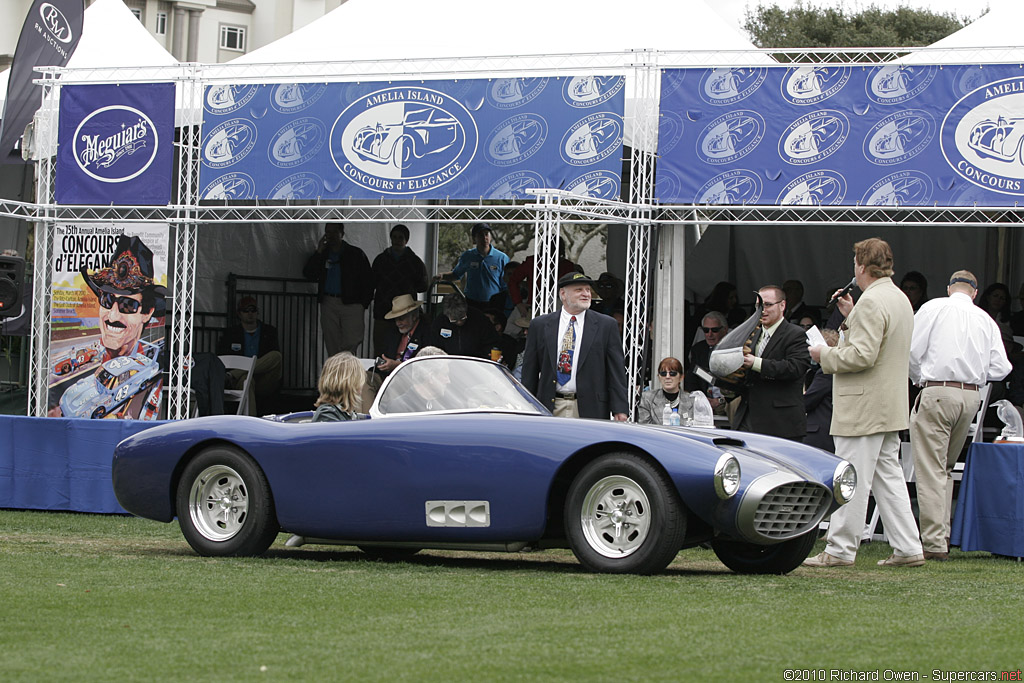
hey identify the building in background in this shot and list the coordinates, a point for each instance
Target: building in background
(207, 31)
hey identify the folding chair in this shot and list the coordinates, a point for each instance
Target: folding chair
(240, 395)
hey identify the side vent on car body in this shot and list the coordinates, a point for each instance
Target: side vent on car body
(458, 513)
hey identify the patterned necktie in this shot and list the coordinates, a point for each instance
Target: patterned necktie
(762, 342)
(565, 354)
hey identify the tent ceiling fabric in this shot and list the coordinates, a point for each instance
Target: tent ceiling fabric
(411, 29)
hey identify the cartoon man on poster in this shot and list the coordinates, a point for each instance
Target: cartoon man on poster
(128, 382)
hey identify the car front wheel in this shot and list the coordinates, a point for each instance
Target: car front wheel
(623, 516)
(751, 558)
(224, 505)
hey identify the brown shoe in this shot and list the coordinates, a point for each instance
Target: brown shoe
(902, 561)
(938, 557)
(824, 559)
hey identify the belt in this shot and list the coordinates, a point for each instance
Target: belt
(956, 385)
(568, 396)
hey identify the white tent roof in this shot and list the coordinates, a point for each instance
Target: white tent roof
(111, 38)
(413, 29)
(991, 38)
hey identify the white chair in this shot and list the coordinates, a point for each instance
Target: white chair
(240, 395)
(974, 435)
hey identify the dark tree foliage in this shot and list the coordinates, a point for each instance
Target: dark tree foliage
(805, 25)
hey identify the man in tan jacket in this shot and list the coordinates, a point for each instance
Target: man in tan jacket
(869, 396)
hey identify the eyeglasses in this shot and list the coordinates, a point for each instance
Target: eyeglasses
(668, 373)
(769, 304)
(247, 309)
(709, 330)
(124, 304)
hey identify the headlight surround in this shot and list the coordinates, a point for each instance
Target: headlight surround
(844, 482)
(727, 476)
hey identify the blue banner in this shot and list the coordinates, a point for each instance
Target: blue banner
(116, 144)
(892, 135)
(462, 139)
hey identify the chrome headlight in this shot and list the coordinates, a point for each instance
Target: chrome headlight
(727, 476)
(844, 482)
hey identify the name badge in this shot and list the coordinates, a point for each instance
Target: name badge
(446, 334)
(412, 346)
(236, 346)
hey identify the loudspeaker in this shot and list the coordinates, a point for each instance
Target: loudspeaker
(12, 285)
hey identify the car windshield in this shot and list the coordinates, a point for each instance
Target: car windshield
(452, 383)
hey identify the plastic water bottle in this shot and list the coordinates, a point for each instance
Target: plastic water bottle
(674, 417)
(703, 416)
(666, 415)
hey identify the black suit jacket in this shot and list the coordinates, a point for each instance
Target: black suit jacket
(232, 342)
(773, 401)
(600, 370)
(818, 404)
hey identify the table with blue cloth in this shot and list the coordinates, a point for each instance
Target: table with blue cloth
(990, 508)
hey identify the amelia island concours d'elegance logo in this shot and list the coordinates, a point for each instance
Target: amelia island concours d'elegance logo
(511, 93)
(811, 84)
(738, 186)
(297, 142)
(730, 137)
(227, 99)
(291, 98)
(725, 86)
(116, 143)
(817, 188)
(592, 139)
(981, 136)
(516, 139)
(589, 91)
(906, 188)
(814, 137)
(899, 137)
(229, 143)
(403, 140)
(895, 84)
(233, 185)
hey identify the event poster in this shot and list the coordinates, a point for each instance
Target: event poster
(107, 314)
(115, 144)
(460, 139)
(887, 136)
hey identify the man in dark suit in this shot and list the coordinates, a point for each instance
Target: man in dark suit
(773, 400)
(573, 362)
(253, 337)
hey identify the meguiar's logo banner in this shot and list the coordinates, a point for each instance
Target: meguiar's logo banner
(490, 139)
(115, 144)
(892, 135)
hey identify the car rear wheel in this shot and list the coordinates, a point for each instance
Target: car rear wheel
(751, 558)
(403, 153)
(623, 516)
(224, 504)
(99, 413)
(65, 369)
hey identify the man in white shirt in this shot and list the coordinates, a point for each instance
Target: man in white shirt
(956, 348)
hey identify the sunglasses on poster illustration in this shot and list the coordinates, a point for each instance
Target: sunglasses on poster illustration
(129, 271)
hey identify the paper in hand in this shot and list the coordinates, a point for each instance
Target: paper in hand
(814, 337)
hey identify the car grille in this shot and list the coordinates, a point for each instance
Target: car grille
(791, 509)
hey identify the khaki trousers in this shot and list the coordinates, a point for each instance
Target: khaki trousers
(342, 324)
(565, 407)
(938, 428)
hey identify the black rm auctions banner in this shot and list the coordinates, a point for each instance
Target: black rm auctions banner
(49, 37)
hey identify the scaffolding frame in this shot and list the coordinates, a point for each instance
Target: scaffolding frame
(553, 208)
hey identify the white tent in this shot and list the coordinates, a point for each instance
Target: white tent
(111, 37)
(369, 30)
(993, 37)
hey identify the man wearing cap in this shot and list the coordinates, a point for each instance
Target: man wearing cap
(461, 330)
(127, 296)
(484, 268)
(344, 288)
(573, 361)
(253, 337)
(956, 348)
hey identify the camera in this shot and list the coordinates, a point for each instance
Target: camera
(379, 362)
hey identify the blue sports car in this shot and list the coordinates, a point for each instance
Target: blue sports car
(457, 454)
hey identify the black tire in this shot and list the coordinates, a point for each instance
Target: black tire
(653, 521)
(224, 505)
(99, 413)
(65, 369)
(384, 553)
(750, 558)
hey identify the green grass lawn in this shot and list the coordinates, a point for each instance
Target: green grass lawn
(89, 597)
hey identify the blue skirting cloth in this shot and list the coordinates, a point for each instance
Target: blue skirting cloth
(990, 508)
(60, 464)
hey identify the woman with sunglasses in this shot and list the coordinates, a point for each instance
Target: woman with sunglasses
(652, 403)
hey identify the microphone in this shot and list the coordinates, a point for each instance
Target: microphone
(841, 293)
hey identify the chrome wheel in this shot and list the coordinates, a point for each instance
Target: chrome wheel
(218, 503)
(615, 516)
